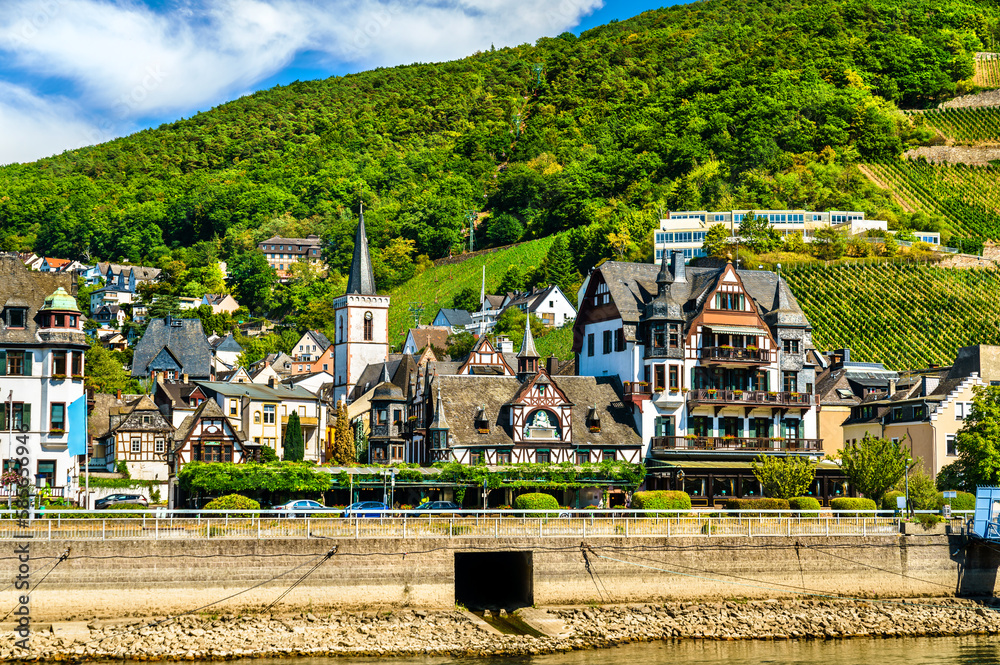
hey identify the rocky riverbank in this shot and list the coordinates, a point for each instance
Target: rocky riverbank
(410, 632)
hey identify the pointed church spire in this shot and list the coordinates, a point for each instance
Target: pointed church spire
(440, 422)
(361, 280)
(528, 343)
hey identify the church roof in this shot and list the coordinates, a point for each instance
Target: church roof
(361, 280)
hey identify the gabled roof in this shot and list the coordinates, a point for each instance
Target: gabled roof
(207, 410)
(535, 298)
(183, 338)
(257, 391)
(322, 341)
(177, 392)
(229, 343)
(21, 287)
(495, 301)
(436, 336)
(56, 263)
(455, 317)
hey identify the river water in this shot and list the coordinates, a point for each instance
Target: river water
(973, 650)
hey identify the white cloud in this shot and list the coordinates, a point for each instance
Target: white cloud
(36, 127)
(127, 61)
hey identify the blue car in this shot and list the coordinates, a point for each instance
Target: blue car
(366, 509)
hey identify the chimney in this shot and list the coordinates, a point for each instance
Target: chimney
(119, 393)
(184, 377)
(270, 382)
(892, 388)
(929, 384)
(552, 365)
(679, 268)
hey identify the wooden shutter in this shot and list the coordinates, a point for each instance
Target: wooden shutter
(28, 355)
(25, 417)
(3, 363)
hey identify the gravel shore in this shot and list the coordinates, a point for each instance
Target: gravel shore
(412, 632)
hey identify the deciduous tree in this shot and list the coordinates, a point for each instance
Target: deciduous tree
(978, 442)
(783, 478)
(874, 465)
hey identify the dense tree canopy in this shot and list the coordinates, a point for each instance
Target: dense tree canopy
(723, 103)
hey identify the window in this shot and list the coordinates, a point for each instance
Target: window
(674, 335)
(789, 382)
(16, 363)
(256, 417)
(620, 339)
(729, 301)
(607, 456)
(542, 457)
(233, 407)
(16, 317)
(369, 327)
(269, 412)
(590, 344)
(732, 427)
(790, 345)
(962, 410)
(22, 416)
(145, 420)
(658, 336)
(665, 426)
(607, 341)
(77, 363)
(950, 449)
(675, 378)
(57, 416)
(136, 445)
(160, 446)
(659, 377)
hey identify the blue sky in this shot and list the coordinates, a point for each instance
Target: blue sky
(78, 72)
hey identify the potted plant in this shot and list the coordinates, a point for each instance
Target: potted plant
(752, 347)
(56, 432)
(738, 392)
(595, 429)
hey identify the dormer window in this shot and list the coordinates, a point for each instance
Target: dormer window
(16, 317)
(729, 301)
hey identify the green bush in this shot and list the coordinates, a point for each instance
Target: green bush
(848, 503)
(536, 501)
(232, 502)
(805, 503)
(889, 500)
(757, 504)
(964, 501)
(662, 500)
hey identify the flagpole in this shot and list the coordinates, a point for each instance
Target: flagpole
(86, 451)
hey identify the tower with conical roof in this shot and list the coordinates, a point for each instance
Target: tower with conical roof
(361, 320)
(527, 356)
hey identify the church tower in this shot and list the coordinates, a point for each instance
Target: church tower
(361, 320)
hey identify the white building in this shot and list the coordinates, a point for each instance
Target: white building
(685, 230)
(42, 346)
(714, 365)
(549, 304)
(362, 321)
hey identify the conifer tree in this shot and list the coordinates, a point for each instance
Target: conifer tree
(293, 444)
(559, 265)
(343, 439)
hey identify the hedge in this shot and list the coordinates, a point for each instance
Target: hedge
(757, 504)
(964, 501)
(232, 502)
(662, 500)
(848, 503)
(805, 503)
(889, 500)
(536, 501)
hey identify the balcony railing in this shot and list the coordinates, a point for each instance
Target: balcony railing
(440, 455)
(735, 354)
(749, 397)
(728, 443)
(384, 430)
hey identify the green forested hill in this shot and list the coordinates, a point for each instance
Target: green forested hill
(721, 103)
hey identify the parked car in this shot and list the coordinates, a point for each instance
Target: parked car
(293, 508)
(113, 500)
(366, 509)
(432, 507)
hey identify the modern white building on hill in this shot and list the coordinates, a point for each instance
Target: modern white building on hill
(685, 230)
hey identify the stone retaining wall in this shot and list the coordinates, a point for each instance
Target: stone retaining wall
(117, 579)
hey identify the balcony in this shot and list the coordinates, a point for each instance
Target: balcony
(636, 391)
(734, 444)
(387, 431)
(703, 396)
(440, 455)
(731, 354)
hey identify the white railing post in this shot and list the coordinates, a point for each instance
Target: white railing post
(789, 532)
(864, 526)
(627, 520)
(357, 529)
(404, 526)
(496, 528)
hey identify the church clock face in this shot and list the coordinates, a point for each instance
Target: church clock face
(368, 316)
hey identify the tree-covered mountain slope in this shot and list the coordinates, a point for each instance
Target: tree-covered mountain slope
(720, 103)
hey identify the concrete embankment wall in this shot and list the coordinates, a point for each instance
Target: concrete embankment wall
(115, 579)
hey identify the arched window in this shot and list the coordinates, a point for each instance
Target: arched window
(369, 327)
(256, 417)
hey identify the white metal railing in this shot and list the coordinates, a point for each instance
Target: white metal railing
(161, 524)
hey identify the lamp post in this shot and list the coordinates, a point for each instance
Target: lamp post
(909, 508)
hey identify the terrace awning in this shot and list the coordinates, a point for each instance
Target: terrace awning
(737, 330)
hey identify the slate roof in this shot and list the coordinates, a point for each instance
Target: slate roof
(229, 343)
(99, 418)
(632, 285)
(257, 391)
(322, 341)
(142, 273)
(186, 343)
(400, 368)
(21, 287)
(496, 301)
(463, 396)
(455, 317)
(361, 279)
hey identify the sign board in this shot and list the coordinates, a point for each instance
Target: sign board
(901, 503)
(950, 495)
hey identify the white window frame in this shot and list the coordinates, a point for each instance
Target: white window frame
(136, 446)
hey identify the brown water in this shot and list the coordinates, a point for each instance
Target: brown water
(974, 650)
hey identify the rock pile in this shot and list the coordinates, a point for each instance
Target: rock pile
(413, 632)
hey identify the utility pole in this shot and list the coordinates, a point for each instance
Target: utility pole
(472, 216)
(416, 309)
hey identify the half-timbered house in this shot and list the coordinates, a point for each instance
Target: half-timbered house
(207, 436)
(140, 436)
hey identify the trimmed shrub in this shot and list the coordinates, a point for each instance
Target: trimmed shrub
(964, 501)
(232, 502)
(662, 500)
(757, 504)
(536, 501)
(889, 500)
(805, 503)
(848, 503)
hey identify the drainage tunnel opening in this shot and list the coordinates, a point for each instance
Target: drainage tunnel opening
(494, 580)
